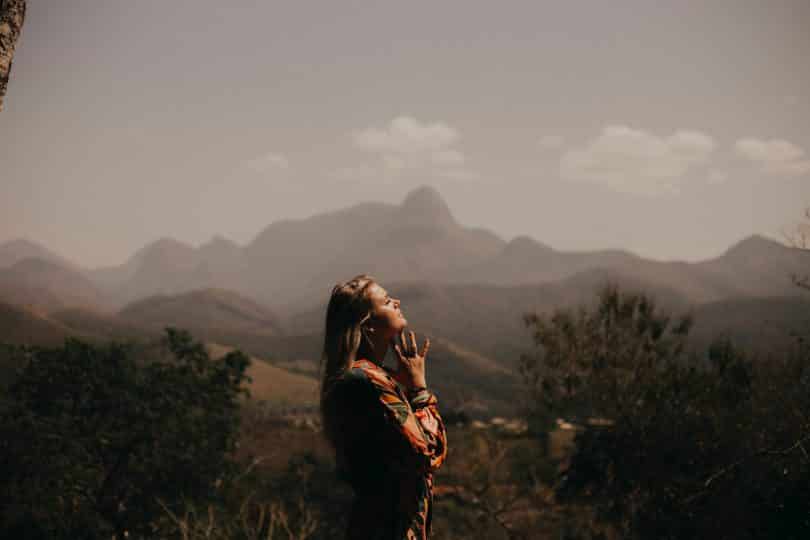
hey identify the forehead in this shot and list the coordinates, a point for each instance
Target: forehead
(376, 291)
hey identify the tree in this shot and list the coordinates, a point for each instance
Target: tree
(690, 446)
(94, 443)
(12, 15)
(799, 238)
(596, 363)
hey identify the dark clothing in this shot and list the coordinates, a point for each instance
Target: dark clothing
(388, 446)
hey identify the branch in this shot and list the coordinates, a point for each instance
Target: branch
(785, 452)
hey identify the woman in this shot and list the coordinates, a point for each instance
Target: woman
(384, 425)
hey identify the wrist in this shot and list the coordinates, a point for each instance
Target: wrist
(419, 397)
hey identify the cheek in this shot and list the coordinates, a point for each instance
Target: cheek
(395, 324)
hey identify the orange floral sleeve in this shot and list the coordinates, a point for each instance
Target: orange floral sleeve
(415, 421)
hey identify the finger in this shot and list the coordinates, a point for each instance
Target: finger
(413, 343)
(425, 347)
(398, 351)
(402, 342)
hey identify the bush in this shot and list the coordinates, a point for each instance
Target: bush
(693, 447)
(94, 443)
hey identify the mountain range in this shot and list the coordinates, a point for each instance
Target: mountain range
(465, 287)
(292, 264)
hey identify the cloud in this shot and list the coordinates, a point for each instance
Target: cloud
(774, 156)
(551, 142)
(268, 162)
(634, 161)
(405, 135)
(408, 145)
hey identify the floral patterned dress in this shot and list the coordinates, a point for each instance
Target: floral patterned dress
(388, 445)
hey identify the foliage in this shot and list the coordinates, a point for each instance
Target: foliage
(598, 362)
(710, 447)
(94, 443)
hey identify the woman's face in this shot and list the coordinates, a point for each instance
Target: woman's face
(386, 316)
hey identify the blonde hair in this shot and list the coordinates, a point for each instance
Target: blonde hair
(349, 308)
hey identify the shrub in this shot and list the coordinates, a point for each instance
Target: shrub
(94, 443)
(693, 447)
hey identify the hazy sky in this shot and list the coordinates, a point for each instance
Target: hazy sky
(672, 129)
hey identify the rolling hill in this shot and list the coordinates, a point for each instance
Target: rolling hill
(19, 325)
(14, 251)
(206, 309)
(273, 384)
(47, 285)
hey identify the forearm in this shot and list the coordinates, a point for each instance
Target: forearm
(424, 406)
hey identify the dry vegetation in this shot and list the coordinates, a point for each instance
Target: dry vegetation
(275, 386)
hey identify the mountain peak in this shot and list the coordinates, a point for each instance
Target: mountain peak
(21, 243)
(425, 206)
(161, 248)
(219, 242)
(18, 249)
(525, 244)
(755, 244)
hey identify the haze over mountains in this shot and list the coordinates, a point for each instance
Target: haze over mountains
(295, 262)
(464, 286)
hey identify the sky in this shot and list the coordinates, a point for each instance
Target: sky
(670, 129)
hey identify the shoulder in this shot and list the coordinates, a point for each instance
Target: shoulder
(365, 370)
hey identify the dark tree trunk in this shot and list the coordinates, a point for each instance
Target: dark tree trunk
(12, 14)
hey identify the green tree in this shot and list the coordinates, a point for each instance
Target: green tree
(711, 446)
(594, 363)
(94, 443)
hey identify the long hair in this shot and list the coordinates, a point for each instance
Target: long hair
(349, 308)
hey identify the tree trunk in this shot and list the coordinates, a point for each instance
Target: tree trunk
(12, 14)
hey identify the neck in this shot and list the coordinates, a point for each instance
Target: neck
(374, 352)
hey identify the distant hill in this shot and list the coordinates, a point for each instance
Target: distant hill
(526, 261)
(298, 261)
(104, 325)
(47, 285)
(758, 325)
(216, 310)
(293, 263)
(168, 267)
(14, 251)
(273, 384)
(22, 326)
(757, 266)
